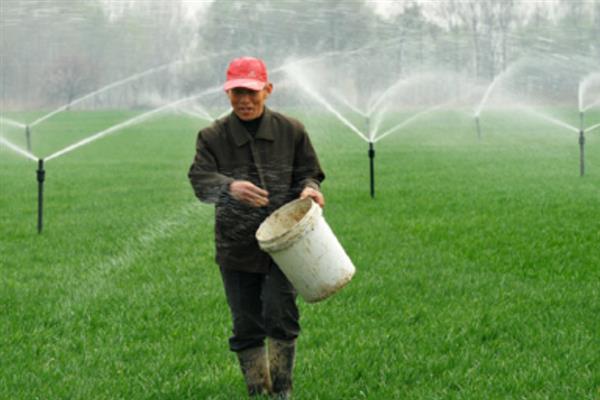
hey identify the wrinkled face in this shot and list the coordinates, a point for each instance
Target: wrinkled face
(248, 104)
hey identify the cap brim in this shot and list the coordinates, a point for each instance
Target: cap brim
(251, 84)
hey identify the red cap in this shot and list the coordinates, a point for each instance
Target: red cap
(246, 72)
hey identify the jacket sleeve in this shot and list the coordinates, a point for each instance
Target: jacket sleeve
(307, 170)
(209, 185)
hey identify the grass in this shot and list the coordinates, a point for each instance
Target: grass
(477, 267)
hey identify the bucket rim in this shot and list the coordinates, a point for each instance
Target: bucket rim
(296, 231)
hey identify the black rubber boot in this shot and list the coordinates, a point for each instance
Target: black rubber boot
(282, 354)
(255, 367)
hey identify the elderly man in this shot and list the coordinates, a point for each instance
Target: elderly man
(248, 164)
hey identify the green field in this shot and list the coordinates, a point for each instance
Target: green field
(478, 266)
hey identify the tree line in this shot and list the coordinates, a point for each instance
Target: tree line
(53, 52)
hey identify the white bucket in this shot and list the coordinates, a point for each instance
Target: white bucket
(304, 247)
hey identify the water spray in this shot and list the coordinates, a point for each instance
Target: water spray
(41, 175)
(593, 127)
(581, 132)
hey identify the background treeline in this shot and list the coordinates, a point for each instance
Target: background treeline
(55, 51)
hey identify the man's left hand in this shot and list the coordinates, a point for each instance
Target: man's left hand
(313, 194)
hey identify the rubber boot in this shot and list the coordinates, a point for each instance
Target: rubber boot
(255, 367)
(282, 354)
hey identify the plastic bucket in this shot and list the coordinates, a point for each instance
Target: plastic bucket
(304, 247)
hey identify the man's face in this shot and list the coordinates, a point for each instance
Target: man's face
(248, 104)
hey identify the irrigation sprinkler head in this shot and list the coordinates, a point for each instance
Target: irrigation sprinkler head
(41, 173)
(41, 176)
(372, 168)
(581, 153)
(28, 137)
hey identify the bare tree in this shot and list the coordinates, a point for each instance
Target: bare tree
(506, 17)
(471, 15)
(69, 77)
(448, 13)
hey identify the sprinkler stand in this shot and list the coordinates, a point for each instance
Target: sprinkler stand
(371, 156)
(28, 137)
(581, 153)
(478, 126)
(41, 175)
(372, 168)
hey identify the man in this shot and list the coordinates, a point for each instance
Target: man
(248, 164)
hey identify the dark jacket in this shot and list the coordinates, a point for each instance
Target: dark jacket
(279, 159)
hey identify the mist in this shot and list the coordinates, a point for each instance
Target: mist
(149, 53)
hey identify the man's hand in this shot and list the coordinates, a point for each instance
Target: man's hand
(249, 193)
(313, 194)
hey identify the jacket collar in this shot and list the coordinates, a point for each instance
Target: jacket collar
(241, 136)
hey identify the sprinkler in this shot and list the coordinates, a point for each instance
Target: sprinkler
(581, 153)
(371, 156)
(28, 137)
(478, 125)
(372, 168)
(41, 175)
(581, 145)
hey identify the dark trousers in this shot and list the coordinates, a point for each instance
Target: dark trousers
(262, 305)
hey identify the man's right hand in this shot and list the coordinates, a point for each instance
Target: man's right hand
(249, 193)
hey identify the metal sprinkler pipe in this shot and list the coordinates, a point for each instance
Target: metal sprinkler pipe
(28, 137)
(41, 175)
(478, 125)
(581, 153)
(371, 156)
(372, 168)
